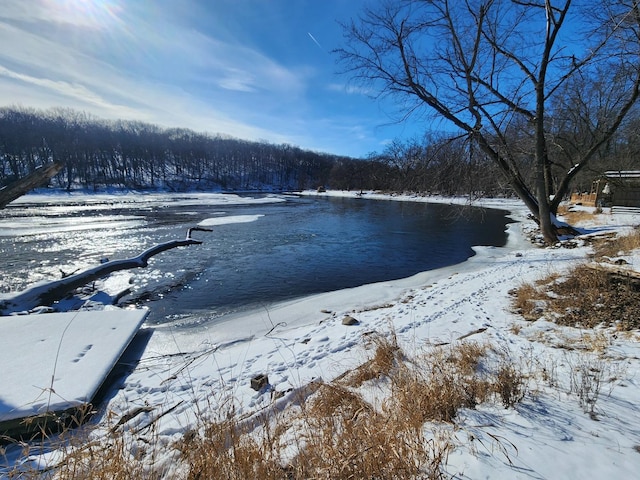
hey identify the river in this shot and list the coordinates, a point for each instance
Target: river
(263, 248)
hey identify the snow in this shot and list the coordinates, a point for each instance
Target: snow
(57, 361)
(31, 226)
(211, 222)
(79, 201)
(184, 371)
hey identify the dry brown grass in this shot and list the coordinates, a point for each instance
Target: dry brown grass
(227, 450)
(334, 430)
(445, 380)
(509, 384)
(349, 438)
(585, 297)
(386, 356)
(528, 301)
(345, 437)
(613, 246)
(79, 455)
(96, 461)
(434, 393)
(82, 457)
(575, 216)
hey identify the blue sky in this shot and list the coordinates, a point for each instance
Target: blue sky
(253, 69)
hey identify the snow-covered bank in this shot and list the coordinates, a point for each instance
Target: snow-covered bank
(184, 372)
(309, 310)
(84, 345)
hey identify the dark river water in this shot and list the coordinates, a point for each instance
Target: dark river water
(263, 249)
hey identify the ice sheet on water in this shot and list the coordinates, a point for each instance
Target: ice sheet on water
(210, 222)
(80, 200)
(49, 225)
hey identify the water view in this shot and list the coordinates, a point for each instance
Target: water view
(263, 248)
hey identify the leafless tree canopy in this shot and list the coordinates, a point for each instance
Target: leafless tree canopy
(542, 82)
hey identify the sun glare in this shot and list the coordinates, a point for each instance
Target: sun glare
(85, 13)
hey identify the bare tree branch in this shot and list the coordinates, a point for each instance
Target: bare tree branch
(35, 179)
(493, 68)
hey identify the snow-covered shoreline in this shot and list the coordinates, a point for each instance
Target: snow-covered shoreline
(309, 309)
(304, 340)
(186, 371)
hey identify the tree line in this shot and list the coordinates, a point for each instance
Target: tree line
(136, 155)
(99, 154)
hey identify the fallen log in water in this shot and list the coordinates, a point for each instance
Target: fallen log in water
(45, 294)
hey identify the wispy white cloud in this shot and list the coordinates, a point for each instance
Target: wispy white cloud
(93, 14)
(238, 67)
(237, 80)
(60, 71)
(147, 61)
(66, 89)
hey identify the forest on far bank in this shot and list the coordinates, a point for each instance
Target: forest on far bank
(99, 154)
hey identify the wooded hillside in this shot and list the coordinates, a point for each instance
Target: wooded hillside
(99, 154)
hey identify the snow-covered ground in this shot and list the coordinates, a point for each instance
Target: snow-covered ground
(184, 372)
(73, 352)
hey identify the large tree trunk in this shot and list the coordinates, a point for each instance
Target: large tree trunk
(35, 179)
(47, 293)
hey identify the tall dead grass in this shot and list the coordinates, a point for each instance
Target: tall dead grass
(585, 297)
(612, 246)
(343, 437)
(74, 455)
(337, 430)
(339, 433)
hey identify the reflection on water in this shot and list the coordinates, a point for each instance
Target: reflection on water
(283, 247)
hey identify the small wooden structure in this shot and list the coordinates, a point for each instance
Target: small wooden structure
(616, 188)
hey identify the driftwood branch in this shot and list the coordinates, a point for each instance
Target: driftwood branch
(47, 293)
(616, 271)
(37, 178)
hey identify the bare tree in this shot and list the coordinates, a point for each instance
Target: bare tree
(488, 67)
